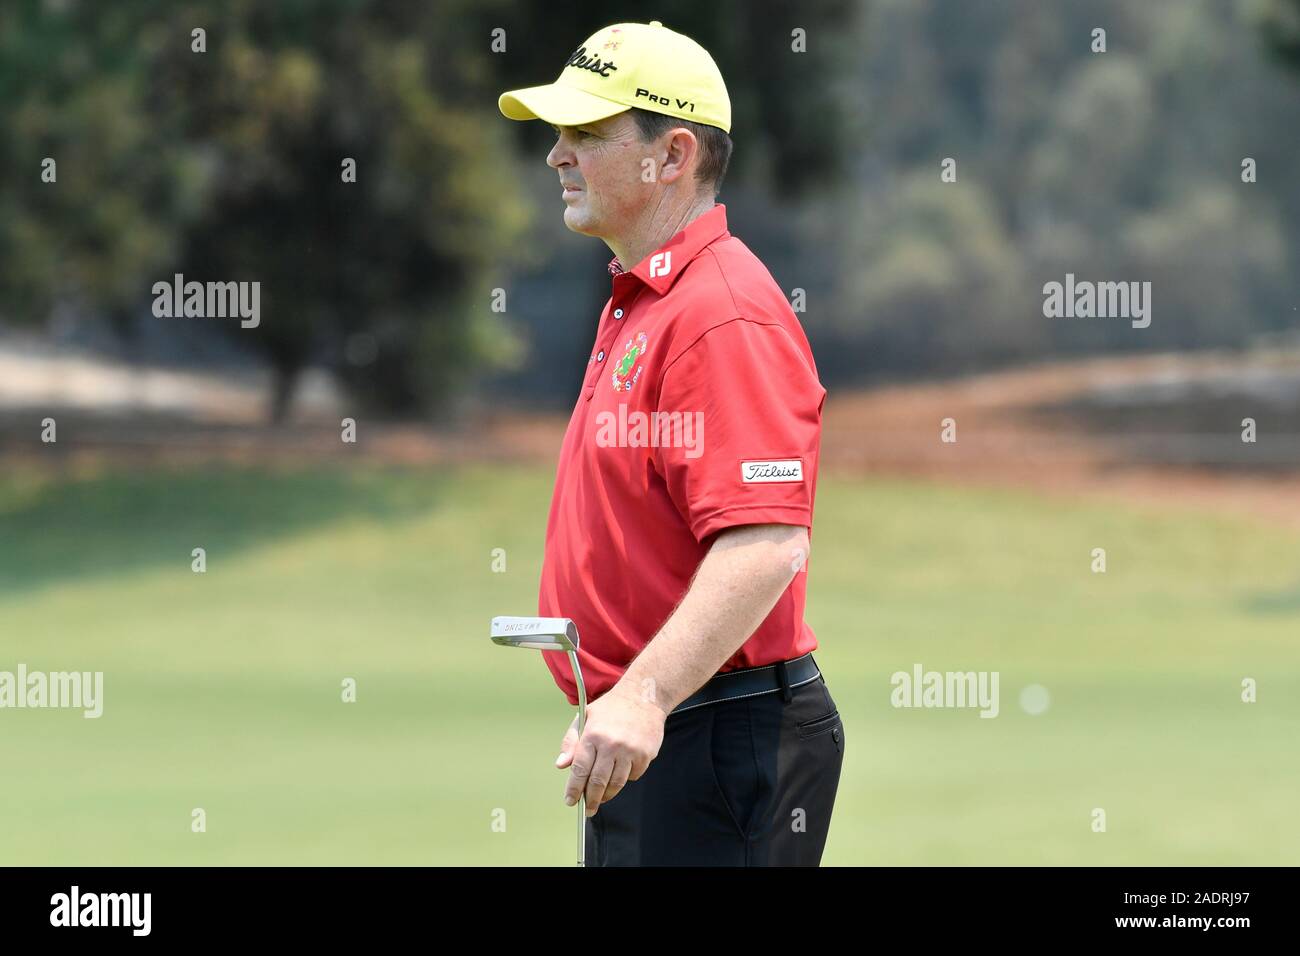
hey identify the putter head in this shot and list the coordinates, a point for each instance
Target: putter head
(538, 633)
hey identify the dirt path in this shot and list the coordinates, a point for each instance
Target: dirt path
(1103, 428)
(1163, 430)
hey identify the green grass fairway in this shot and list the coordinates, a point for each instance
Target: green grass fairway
(223, 689)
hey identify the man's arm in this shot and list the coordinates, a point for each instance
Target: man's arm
(735, 587)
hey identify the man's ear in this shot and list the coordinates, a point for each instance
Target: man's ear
(685, 141)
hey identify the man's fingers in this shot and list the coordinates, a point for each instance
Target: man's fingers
(567, 746)
(622, 769)
(583, 760)
(598, 780)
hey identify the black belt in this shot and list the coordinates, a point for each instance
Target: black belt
(782, 676)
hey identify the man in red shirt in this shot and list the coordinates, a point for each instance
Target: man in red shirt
(678, 535)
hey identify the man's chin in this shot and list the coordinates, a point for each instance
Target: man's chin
(579, 222)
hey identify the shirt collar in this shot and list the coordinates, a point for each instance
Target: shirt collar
(670, 260)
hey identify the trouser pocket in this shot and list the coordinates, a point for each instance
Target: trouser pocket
(820, 725)
(825, 719)
(735, 769)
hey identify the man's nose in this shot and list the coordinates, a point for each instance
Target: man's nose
(560, 155)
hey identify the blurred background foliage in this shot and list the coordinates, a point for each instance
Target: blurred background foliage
(227, 164)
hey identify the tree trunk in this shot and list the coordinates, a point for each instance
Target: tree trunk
(283, 384)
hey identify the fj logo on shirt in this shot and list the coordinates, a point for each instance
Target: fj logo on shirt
(791, 470)
(635, 349)
(660, 263)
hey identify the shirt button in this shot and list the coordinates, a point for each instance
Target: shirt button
(601, 357)
(618, 313)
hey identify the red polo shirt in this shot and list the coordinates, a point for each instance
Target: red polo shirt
(701, 410)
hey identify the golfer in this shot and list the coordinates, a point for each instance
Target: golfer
(678, 534)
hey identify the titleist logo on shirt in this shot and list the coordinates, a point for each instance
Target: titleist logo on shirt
(791, 470)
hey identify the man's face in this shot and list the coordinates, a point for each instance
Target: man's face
(604, 161)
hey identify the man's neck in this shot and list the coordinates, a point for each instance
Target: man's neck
(631, 251)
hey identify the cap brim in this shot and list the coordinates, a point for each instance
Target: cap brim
(561, 105)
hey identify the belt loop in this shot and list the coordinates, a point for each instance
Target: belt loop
(786, 694)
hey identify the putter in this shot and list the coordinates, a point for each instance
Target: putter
(551, 634)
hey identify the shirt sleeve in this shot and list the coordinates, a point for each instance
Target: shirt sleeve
(757, 403)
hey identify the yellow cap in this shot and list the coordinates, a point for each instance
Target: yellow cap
(627, 65)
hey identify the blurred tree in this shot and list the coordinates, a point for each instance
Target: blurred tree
(1280, 23)
(1207, 257)
(1123, 165)
(939, 286)
(72, 91)
(383, 279)
(228, 165)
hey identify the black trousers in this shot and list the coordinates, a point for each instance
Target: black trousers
(745, 782)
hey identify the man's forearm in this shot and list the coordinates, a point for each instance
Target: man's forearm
(735, 588)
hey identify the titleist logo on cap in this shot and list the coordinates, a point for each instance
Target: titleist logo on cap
(581, 61)
(791, 470)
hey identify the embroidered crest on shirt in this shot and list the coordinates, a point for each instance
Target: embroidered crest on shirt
(634, 350)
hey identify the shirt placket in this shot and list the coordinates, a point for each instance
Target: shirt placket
(613, 324)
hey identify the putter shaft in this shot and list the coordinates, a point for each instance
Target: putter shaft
(582, 723)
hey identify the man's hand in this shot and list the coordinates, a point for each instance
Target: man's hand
(622, 735)
(738, 583)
